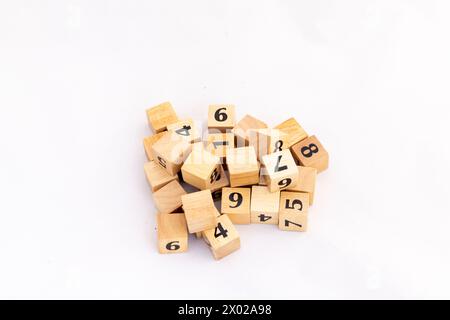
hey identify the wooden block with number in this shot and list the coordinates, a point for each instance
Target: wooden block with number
(172, 233)
(186, 129)
(306, 182)
(243, 128)
(201, 169)
(264, 205)
(293, 214)
(242, 166)
(200, 212)
(236, 203)
(281, 170)
(221, 117)
(311, 153)
(218, 143)
(168, 198)
(170, 151)
(218, 185)
(223, 238)
(160, 116)
(294, 131)
(267, 141)
(148, 143)
(157, 177)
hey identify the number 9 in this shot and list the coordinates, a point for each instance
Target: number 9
(237, 198)
(284, 183)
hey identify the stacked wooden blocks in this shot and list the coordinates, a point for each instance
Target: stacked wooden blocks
(259, 174)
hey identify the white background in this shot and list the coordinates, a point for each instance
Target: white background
(370, 78)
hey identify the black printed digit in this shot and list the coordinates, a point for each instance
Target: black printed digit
(184, 131)
(215, 176)
(162, 162)
(236, 198)
(308, 151)
(287, 222)
(292, 205)
(278, 146)
(220, 143)
(172, 246)
(220, 116)
(284, 183)
(263, 218)
(220, 231)
(277, 166)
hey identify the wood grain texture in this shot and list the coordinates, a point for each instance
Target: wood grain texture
(264, 205)
(157, 177)
(223, 238)
(168, 198)
(172, 233)
(281, 170)
(236, 204)
(201, 169)
(306, 182)
(243, 127)
(242, 166)
(293, 214)
(186, 129)
(311, 153)
(148, 143)
(199, 210)
(225, 119)
(160, 116)
(294, 131)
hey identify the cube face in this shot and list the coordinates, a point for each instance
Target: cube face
(311, 153)
(218, 143)
(223, 238)
(264, 205)
(243, 127)
(267, 141)
(221, 117)
(282, 170)
(148, 143)
(236, 204)
(170, 151)
(199, 210)
(201, 169)
(168, 198)
(242, 166)
(294, 131)
(160, 116)
(172, 233)
(217, 186)
(186, 130)
(293, 214)
(306, 182)
(157, 177)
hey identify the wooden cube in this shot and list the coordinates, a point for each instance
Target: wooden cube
(294, 130)
(306, 182)
(243, 128)
(242, 166)
(200, 212)
(148, 143)
(160, 116)
(201, 169)
(236, 204)
(311, 153)
(293, 214)
(186, 129)
(281, 169)
(221, 117)
(217, 186)
(168, 198)
(223, 238)
(172, 233)
(157, 177)
(264, 205)
(267, 141)
(170, 151)
(218, 143)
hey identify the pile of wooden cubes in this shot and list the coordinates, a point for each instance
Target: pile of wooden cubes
(261, 175)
